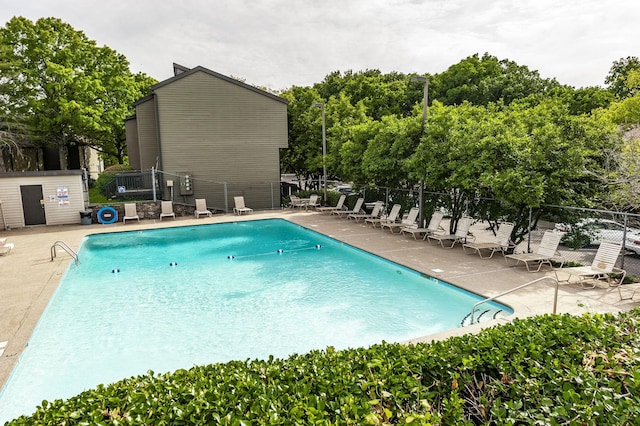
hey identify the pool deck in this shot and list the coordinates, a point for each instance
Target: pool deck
(28, 277)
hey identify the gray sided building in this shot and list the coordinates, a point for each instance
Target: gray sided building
(212, 137)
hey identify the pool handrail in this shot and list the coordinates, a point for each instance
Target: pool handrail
(489, 299)
(66, 248)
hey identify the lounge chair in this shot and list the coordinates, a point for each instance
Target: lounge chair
(377, 210)
(130, 213)
(390, 218)
(543, 254)
(201, 208)
(6, 248)
(167, 210)
(461, 235)
(410, 220)
(329, 209)
(240, 207)
(432, 228)
(346, 213)
(501, 242)
(602, 267)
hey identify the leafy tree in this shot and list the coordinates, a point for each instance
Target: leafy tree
(583, 100)
(616, 80)
(13, 132)
(381, 94)
(521, 155)
(481, 80)
(70, 91)
(392, 142)
(304, 154)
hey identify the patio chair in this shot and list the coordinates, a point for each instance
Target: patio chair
(130, 213)
(296, 202)
(461, 235)
(501, 242)
(6, 248)
(432, 228)
(377, 210)
(346, 213)
(602, 268)
(201, 208)
(167, 210)
(543, 254)
(314, 201)
(404, 223)
(390, 218)
(240, 207)
(338, 206)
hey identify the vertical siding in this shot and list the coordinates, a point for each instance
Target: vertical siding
(222, 132)
(55, 214)
(133, 144)
(147, 134)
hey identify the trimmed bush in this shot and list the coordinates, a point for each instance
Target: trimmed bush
(552, 369)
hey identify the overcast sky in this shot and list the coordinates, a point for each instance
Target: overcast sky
(281, 43)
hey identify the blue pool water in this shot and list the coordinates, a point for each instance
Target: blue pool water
(213, 293)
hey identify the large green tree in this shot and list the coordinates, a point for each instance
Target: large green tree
(481, 80)
(69, 90)
(617, 81)
(525, 157)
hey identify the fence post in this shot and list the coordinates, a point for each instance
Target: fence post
(624, 239)
(153, 183)
(272, 203)
(226, 198)
(529, 233)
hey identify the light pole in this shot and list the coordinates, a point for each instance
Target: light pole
(324, 150)
(425, 107)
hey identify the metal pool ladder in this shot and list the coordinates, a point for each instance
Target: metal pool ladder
(64, 246)
(489, 299)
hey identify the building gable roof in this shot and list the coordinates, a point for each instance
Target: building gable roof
(185, 72)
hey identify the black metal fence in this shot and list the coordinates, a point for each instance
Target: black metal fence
(134, 185)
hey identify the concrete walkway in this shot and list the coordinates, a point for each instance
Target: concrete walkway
(28, 277)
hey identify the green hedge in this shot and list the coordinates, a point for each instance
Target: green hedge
(552, 370)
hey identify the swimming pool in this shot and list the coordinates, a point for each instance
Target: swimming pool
(172, 298)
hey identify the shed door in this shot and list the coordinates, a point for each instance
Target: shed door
(33, 205)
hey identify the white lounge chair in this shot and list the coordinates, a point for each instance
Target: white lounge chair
(461, 235)
(602, 268)
(338, 206)
(390, 218)
(167, 210)
(240, 207)
(201, 208)
(543, 254)
(501, 242)
(377, 210)
(130, 213)
(356, 209)
(6, 248)
(432, 228)
(410, 220)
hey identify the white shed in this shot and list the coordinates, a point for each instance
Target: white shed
(41, 198)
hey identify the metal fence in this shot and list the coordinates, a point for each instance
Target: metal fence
(583, 229)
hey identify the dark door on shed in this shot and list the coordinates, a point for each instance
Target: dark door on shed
(33, 205)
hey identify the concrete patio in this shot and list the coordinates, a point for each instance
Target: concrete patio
(28, 277)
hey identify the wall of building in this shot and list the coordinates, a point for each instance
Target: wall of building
(221, 131)
(64, 196)
(147, 134)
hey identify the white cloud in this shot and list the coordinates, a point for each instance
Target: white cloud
(280, 43)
